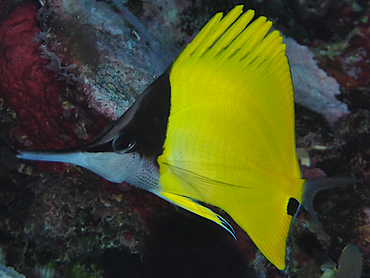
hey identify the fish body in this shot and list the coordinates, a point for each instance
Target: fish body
(217, 128)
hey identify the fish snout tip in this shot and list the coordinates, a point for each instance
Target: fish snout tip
(19, 153)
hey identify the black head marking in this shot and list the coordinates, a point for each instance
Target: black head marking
(149, 123)
(142, 128)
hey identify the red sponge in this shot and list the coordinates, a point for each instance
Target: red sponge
(31, 92)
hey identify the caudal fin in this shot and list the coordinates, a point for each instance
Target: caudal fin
(311, 188)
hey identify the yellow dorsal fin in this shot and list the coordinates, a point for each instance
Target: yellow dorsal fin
(230, 137)
(211, 32)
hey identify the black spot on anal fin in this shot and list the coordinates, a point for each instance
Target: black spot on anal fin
(292, 207)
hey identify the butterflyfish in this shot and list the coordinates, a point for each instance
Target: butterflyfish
(217, 128)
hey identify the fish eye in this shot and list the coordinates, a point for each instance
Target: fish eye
(123, 142)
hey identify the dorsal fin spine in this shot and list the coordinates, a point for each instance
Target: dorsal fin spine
(269, 44)
(223, 38)
(207, 37)
(224, 24)
(258, 36)
(199, 41)
(248, 34)
(229, 36)
(268, 52)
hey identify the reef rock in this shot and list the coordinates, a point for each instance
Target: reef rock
(312, 86)
(115, 57)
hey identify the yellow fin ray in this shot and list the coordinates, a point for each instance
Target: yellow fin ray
(224, 25)
(231, 33)
(255, 41)
(201, 38)
(241, 43)
(214, 31)
(247, 35)
(266, 54)
(269, 46)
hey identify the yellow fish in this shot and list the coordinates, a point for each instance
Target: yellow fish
(216, 128)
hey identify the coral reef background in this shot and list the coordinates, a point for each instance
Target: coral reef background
(68, 67)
